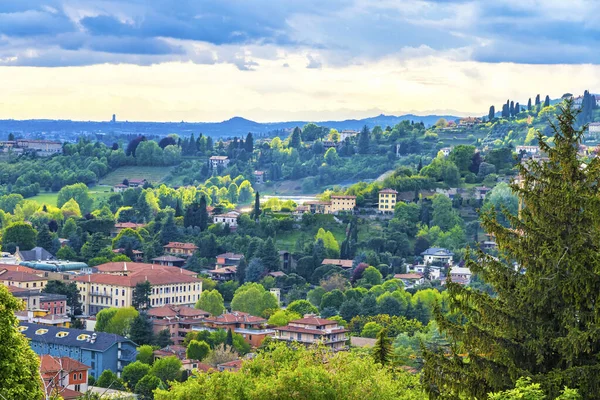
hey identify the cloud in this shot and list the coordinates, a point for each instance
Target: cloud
(313, 63)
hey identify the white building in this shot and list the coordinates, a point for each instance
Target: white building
(346, 133)
(437, 255)
(216, 161)
(229, 218)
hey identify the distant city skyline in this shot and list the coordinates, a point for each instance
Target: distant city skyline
(207, 61)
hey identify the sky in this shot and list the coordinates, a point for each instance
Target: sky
(276, 60)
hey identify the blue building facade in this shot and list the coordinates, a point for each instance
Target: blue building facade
(99, 350)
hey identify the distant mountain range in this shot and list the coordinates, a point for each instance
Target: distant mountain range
(236, 126)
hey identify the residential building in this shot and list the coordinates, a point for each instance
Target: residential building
(35, 254)
(219, 161)
(460, 275)
(134, 183)
(345, 264)
(229, 218)
(30, 297)
(346, 133)
(170, 351)
(41, 147)
(99, 350)
(260, 177)
(43, 317)
(410, 280)
(434, 271)
(342, 203)
(169, 261)
(252, 328)
(182, 249)
(312, 330)
(468, 122)
(387, 200)
(319, 207)
(120, 188)
(119, 226)
(170, 285)
(54, 303)
(179, 320)
(8, 259)
(136, 255)
(222, 274)
(22, 280)
(64, 376)
(286, 259)
(436, 255)
(528, 150)
(446, 151)
(229, 260)
(231, 366)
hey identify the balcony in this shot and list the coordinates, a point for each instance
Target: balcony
(102, 294)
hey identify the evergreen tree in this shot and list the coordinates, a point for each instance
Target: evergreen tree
(547, 101)
(420, 166)
(229, 339)
(202, 217)
(505, 111)
(491, 114)
(363, 140)
(256, 211)
(537, 100)
(140, 299)
(190, 216)
(542, 322)
(269, 255)
(241, 271)
(44, 238)
(178, 210)
(169, 231)
(512, 108)
(529, 104)
(382, 350)
(140, 331)
(296, 138)
(517, 108)
(249, 144)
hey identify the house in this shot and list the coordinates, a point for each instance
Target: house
(178, 320)
(54, 303)
(300, 211)
(30, 297)
(446, 151)
(42, 148)
(178, 248)
(528, 150)
(114, 284)
(345, 264)
(8, 259)
(119, 226)
(346, 133)
(342, 203)
(229, 260)
(219, 161)
(468, 122)
(387, 200)
(329, 144)
(22, 279)
(460, 275)
(170, 261)
(64, 375)
(99, 350)
(410, 280)
(313, 330)
(137, 255)
(229, 218)
(222, 274)
(252, 328)
(134, 183)
(43, 317)
(319, 207)
(438, 256)
(170, 351)
(35, 254)
(231, 366)
(120, 188)
(481, 192)
(260, 177)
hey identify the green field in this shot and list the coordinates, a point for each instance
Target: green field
(287, 240)
(99, 193)
(151, 174)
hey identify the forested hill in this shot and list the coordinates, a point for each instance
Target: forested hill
(236, 126)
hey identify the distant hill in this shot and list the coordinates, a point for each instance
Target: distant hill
(236, 126)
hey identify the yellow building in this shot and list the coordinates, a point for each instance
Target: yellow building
(23, 280)
(170, 285)
(387, 200)
(342, 203)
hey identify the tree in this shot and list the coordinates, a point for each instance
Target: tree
(492, 113)
(78, 192)
(525, 389)
(44, 237)
(462, 156)
(302, 307)
(19, 234)
(363, 140)
(269, 256)
(68, 289)
(145, 354)
(371, 276)
(140, 331)
(211, 301)
(333, 299)
(197, 350)
(146, 386)
(254, 299)
(382, 350)
(134, 372)
(296, 138)
(166, 369)
(19, 365)
(95, 245)
(255, 270)
(221, 354)
(256, 211)
(110, 380)
(140, 299)
(371, 330)
(133, 144)
(283, 317)
(245, 192)
(115, 320)
(331, 156)
(444, 215)
(249, 143)
(540, 323)
(547, 101)
(529, 104)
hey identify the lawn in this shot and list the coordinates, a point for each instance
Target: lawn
(99, 193)
(287, 240)
(151, 174)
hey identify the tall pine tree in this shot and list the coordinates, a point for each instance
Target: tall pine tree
(492, 113)
(529, 104)
(256, 211)
(544, 321)
(364, 140)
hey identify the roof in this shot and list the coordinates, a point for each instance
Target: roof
(460, 271)
(134, 267)
(37, 253)
(63, 393)
(14, 289)
(236, 317)
(314, 321)
(179, 245)
(437, 251)
(155, 274)
(219, 158)
(168, 258)
(277, 274)
(408, 276)
(259, 172)
(130, 225)
(176, 311)
(339, 262)
(237, 364)
(313, 331)
(20, 268)
(343, 197)
(392, 191)
(50, 363)
(52, 297)
(103, 341)
(231, 256)
(224, 270)
(19, 276)
(204, 367)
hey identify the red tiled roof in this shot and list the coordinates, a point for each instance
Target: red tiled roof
(205, 367)
(130, 225)
(392, 191)
(63, 393)
(54, 364)
(339, 262)
(343, 197)
(19, 276)
(179, 245)
(224, 270)
(18, 268)
(230, 255)
(135, 267)
(159, 275)
(408, 276)
(313, 321)
(299, 329)
(235, 364)
(14, 289)
(176, 311)
(236, 317)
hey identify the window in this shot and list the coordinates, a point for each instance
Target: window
(80, 376)
(78, 388)
(74, 377)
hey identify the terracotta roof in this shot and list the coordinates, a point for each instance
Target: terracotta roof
(130, 225)
(134, 267)
(276, 274)
(408, 276)
(176, 311)
(64, 393)
(299, 329)
(19, 276)
(159, 275)
(224, 270)
(168, 258)
(313, 321)
(338, 262)
(18, 268)
(14, 289)
(205, 367)
(391, 191)
(54, 364)
(236, 317)
(343, 197)
(235, 364)
(179, 245)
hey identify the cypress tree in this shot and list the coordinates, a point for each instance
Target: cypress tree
(537, 100)
(296, 138)
(363, 140)
(547, 101)
(229, 339)
(249, 144)
(512, 108)
(517, 108)
(529, 104)
(202, 214)
(543, 321)
(256, 211)
(492, 113)
(382, 350)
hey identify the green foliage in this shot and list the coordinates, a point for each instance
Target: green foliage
(331, 245)
(78, 192)
(302, 307)
(146, 386)
(167, 369)
(382, 350)
(527, 390)
(116, 320)
(110, 380)
(371, 330)
(371, 277)
(253, 299)
(134, 372)
(211, 301)
(197, 350)
(19, 234)
(68, 289)
(19, 375)
(283, 317)
(145, 354)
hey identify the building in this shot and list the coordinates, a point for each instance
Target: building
(252, 328)
(35, 254)
(468, 122)
(134, 183)
(120, 188)
(229, 260)
(229, 218)
(114, 288)
(436, 255)
(286, 260)
(387, 201)
(222, 274)
(260, 177)
(22, 279)
(410, 280)
(345, 264)
(119, 226)
(54, 303)
(169, 261)
(219, 161)
(178, 320)
(99, 350)
(30, 297)
(594, 127)
(528, 150)
(342, 203)
(64, 376)
(460, 275)
(43, 317)
(40, 147)
(136, 255)
(182, 249)
(231, 366)
(319, 207)
(346, 133)
(446, 151)
(313, 330)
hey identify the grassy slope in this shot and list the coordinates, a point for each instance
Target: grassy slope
(99, 193)
(152, 174)
(287, 240)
